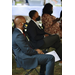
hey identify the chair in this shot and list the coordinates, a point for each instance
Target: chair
(27, 72)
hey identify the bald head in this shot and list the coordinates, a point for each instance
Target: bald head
(19, 20)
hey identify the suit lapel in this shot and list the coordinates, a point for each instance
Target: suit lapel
(35, 25)
(17, 30)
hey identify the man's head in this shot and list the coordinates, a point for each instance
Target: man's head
(33, 14)
(19, 21)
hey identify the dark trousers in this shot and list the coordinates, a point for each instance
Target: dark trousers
(53, 41)
(46, 62)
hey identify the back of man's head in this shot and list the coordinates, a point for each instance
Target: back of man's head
(18, 20)
(31, 13)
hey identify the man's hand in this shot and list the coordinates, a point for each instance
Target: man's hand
(57, 19)
(39, 51)
(46, 35)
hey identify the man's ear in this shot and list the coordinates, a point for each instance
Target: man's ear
(20, 24)
(33, 18)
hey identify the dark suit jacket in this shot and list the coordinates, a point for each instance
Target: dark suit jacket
(36, 35)
(24, 54)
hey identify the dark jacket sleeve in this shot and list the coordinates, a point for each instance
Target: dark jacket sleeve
(21, 42)
(33, 34)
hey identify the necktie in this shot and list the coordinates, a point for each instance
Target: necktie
(23, 33)
(27, 38)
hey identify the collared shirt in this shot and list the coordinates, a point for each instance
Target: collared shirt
(20, 30)
(37, 23)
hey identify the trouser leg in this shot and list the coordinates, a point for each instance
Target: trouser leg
(53, 41)
(50, 68)
(58, 47)
(47, 63)
(42, 69)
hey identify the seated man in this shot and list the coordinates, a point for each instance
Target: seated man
(36, 35)
(27, 57)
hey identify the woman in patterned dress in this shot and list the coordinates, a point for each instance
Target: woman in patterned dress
(50, 22)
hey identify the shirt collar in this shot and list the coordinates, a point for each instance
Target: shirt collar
(20, 30)
(36, 22)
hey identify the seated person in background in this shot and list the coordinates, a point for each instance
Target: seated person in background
(26, 1)
(27, 57)
(36, 35)
(60, 20)
(50, 22)
(13, 27)
(61, 15)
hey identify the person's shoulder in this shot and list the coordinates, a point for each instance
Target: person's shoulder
(16, 31)
(31, 23)
(53, 16)
(46, 16)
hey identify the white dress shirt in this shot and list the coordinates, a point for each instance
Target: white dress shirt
(20, 30)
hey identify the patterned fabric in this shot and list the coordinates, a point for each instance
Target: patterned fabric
(47, 21)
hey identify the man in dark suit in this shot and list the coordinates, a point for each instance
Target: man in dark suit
(27, 57)
(37, 35)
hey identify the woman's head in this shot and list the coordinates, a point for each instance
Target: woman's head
(48, 9)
